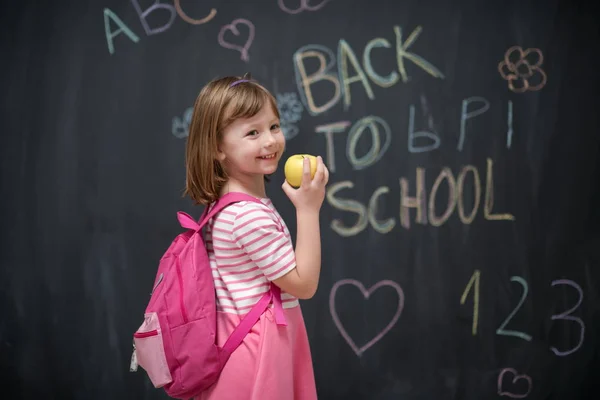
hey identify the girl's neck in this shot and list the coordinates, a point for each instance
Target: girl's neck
(253, 187)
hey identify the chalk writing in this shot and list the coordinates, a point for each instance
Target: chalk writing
(501, 330)
(465, 115)
(568, 317)
(304, 81)
(419, 201)
(180, 126)
(473, 283)
(329, 130)
(304, 6)
(366, 294)
(522, 384)
(290, 111)
(402, 53)
(345, 54)
(157, 6)
(364, 73)
(489, 196)
(377, 149)
(430, 140)
(110, 35)
(412, 135)
(445, 174)
(383, 81)
(425, 208)
(477, 196)
(233, 28)
(522, 69)
(193, 21)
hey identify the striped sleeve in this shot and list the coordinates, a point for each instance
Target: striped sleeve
(258, 232)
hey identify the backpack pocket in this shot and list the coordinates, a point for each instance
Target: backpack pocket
(150, 351)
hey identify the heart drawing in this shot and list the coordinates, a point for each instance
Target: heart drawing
(233, 28)
(366, 294)
(516, 379)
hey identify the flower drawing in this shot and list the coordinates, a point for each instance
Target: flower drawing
(521, 68)
(290, 110)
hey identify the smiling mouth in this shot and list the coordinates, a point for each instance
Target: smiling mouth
(268, 157)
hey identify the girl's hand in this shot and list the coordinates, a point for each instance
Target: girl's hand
(311, 193)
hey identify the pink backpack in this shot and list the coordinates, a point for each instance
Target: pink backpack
(176, 344)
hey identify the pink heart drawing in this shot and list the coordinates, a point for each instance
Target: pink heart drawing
(303, 6)
(517, 378)
(233, 28)
(366, 294)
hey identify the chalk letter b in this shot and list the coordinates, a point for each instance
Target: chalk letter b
(305, 81)
(154, 7)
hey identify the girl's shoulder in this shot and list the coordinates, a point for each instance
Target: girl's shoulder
(245, 208)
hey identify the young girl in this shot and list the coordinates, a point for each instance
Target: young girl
(235, 141)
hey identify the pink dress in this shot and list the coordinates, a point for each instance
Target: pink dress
(249, 245)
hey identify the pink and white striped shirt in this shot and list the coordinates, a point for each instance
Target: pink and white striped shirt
(248, 246)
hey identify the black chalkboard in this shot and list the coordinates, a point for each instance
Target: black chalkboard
(460, 231)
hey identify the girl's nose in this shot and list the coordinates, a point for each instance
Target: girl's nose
(269, 139)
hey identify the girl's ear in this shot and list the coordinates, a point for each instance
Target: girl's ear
(220, 153)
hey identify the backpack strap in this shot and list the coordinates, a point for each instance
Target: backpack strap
(223, 202)
(250, 319)
(186, 221)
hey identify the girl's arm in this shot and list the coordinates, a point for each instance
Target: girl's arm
(302, 281)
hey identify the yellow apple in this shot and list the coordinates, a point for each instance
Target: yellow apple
(294, 168)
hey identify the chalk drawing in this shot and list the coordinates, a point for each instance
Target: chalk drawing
(521, 68)
(526, 383)
(233, 27)
(290, 112)
(304, 6)
(180, 126)
(366, 294)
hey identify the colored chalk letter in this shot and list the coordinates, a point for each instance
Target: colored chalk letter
(447, 175)
(419, 201)
(412, 135)
(345, 54)
(346, 205)
(465, 115)
(377, 150)
(329, 130)
(401, 54)
(108, 15)
(383, 81)
(193, 21)
(154, 7)
(380, 226)
(305, 81)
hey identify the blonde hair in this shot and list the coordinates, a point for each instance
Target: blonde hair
(218, 105)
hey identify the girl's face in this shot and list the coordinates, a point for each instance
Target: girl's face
(252, 147)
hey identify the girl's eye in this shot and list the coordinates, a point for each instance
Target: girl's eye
(252, 133)
(275, 127)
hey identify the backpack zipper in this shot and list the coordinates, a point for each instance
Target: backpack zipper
(141, 335)
(180, 280)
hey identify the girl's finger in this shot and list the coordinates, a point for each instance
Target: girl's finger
(319, 174)
(305, 172)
